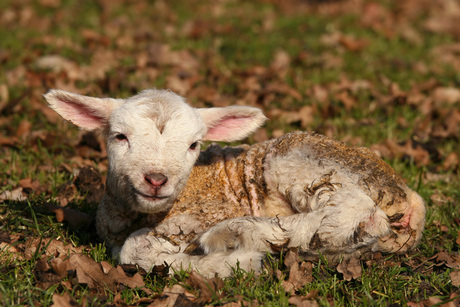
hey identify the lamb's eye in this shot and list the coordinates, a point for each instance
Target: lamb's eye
(121, 137)
(194, 146)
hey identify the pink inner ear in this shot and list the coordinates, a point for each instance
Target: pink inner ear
(227, 127)
(81, 115)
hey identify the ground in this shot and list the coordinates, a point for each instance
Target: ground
(373, 73)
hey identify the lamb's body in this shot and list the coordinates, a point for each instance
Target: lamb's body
(234, 182)
(301, 190)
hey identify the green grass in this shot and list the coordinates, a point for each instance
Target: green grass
(234, 37)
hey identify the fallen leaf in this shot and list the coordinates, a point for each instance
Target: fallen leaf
(24, 128)
(179, 84)
(307, 114)
(291, 258)
(118, 300)
(14, 195)
(444, 20)
(376, 16)
(118, 276)
(260, 135)
(44, 276)
(51, 116)
(283, 89)
(411, 35)
(144, 300)
(351, 269)
(448, 95)
(106, 267)
(66, 193)
(299, 275)
(348, 101)
(281, 62)
(176, 296)
(449, 127)
(28, 185)
(208, 287)
(52, 247)
(276, 133)
(7, 250)
(455, 277)
(447, 54)
(444, 228)
(5, 237)
(57, 63)
(389, 149)
(454, 300)
(162, 55)
(353, 44)
(289, 117)
(449, 260)
(60, 267)
(302, 302)
(8, 141)
(42, 265)
(313, 294)
(433, 301)
(4, 96)
(103, 59)
(89, 272)
(64, 300)
(196, 28)
(451, 162)
(50, 3)
(320, 93)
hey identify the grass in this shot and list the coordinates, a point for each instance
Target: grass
(229, 39)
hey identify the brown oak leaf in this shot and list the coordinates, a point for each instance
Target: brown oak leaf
(351, 269)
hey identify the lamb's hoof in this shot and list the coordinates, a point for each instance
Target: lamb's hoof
(194, 248)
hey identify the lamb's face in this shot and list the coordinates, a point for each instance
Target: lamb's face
(153, 141)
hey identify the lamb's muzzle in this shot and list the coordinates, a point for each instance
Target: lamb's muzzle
(302, 190)
(156, 179)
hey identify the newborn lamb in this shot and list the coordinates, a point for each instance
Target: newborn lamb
(168, 202)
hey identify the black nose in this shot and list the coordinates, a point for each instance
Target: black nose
(156, 179)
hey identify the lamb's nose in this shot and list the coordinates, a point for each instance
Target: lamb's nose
(156, 179)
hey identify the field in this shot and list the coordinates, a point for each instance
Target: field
(374, 73)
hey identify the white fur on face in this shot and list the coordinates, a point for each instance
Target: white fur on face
(152, 133)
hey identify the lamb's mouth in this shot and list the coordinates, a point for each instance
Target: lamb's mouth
(151, 197)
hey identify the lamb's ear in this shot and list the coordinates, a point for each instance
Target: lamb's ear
(88, 113)
(231, 123)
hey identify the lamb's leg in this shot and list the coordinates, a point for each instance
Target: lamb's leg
(146, 250)
(349, 221)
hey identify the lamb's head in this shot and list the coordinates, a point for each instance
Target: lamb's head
(153, 140)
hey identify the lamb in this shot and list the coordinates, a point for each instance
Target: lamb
(166, 201)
